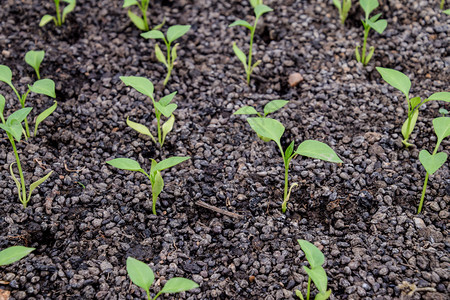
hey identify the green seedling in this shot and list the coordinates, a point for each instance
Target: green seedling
(447, 12)
(378, 25)
(344, 7)
(271, 129)
(259, 10)
(401, 82)
(140, 22)
(432, 162)
(142, 276)
(155, 177)
(316, 273)
(443, 111)
(269, 108)
(442, 4)
(173, 33)
(58, 19)
(12, 254)
(41, 86)
(255, 3)
(13, 128)
(163, 107)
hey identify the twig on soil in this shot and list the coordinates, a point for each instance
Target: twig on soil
(218, 210)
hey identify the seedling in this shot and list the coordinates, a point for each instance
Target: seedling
(58, 20)
(447, 12)
(442, 4)
(259, 10)
(140, 22)
(344, 7)
(12, 254)
(443, 111)
(432, 162)
(255, 3)
(401, 82)
(378, 25)
(41, 86)
(269, 108)
(164, 107)
(271, 129)
(142, 276)
(173, 33)
(13, 128)
(316, 273)
(155, 177)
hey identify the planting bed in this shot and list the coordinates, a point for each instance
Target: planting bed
(361, 214)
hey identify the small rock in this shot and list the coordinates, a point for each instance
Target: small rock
(420, 224)
(295, 79)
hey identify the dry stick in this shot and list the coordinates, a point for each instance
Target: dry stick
(218, 210)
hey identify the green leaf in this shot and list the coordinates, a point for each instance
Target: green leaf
(178, 284)
(261, 9)
(174, 52)
(405, 131)
(160, 55)
(137, 21)
(323, 295)
(2, 106)
(35, 184)
(5, 74)
(176, 31)
(167, 127)
(69, 8)
(299, 294)
(375, 18)
(157, 186)
(13, 254)
(167, 99)
(255, 3)
(240, 55)
(246, 110)
(45, 19)
(442, 111)
(34, 59)
(273, 106)
(45, 87)
(169, 162)
(241, 23)
(140, 128)
(141, 84)
(318, 150)
(15, 128)
(369, 55)
(153, 34)
(447, 12)
(319, 277)
(440, 96)
(442, 127)
(396, 79)
(125, 164)
(289, 151)
(159, 26)
(368, 6)
(337, 3)
(313, 255)
(166, 110)
(140, 273)
(267, 128)
(415, 101)
(42, 116)
(128, 3)
(379, 26)
(20, 114)
(358, 56)
(432, 163)
(18, 185)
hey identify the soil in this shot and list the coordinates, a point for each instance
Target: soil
(89, 217)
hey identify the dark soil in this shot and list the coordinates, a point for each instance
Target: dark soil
(361, 213)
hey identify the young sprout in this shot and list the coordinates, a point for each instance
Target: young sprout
(12, 254)
(13, 128)
(271, 129)
(141, 23)
(344, 7)
(442, 4)
(173, 33)
(432, 162)
(401, 82)
(255, 3)
(58, 20)
(155, 177)
(447, 11)
(142, 276)
(34, 59)
(443, 111)
(316, 273)
(378, 25)
(163, 107)
(259, 10)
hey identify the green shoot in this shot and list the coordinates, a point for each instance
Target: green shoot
(271, 129)
(58, 19)
(442, 4)
(163, 107)
(12, 254)
(255, 3)
(432, 162)
(259, 10)
(316, 273)
(34, 59)
(142, 276)
(173, 33)
(155, 177)
(401, 82)
(443, 111)
(344, 7)
(378, 25)
(140, 22)
(447, 11)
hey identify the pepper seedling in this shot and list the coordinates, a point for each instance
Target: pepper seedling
(155, 177)
(443, 111)
(163, 107)
(58, 19)
(12, 254)
(269, 108)
(259, 10)
(273, 130)
(316, 273)
(41, 86)
(401, 82)
(13, 128)
(140, 22)
(142, 276)
(173, 33)
(432, 162)
(378, 25)
(344, 7)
